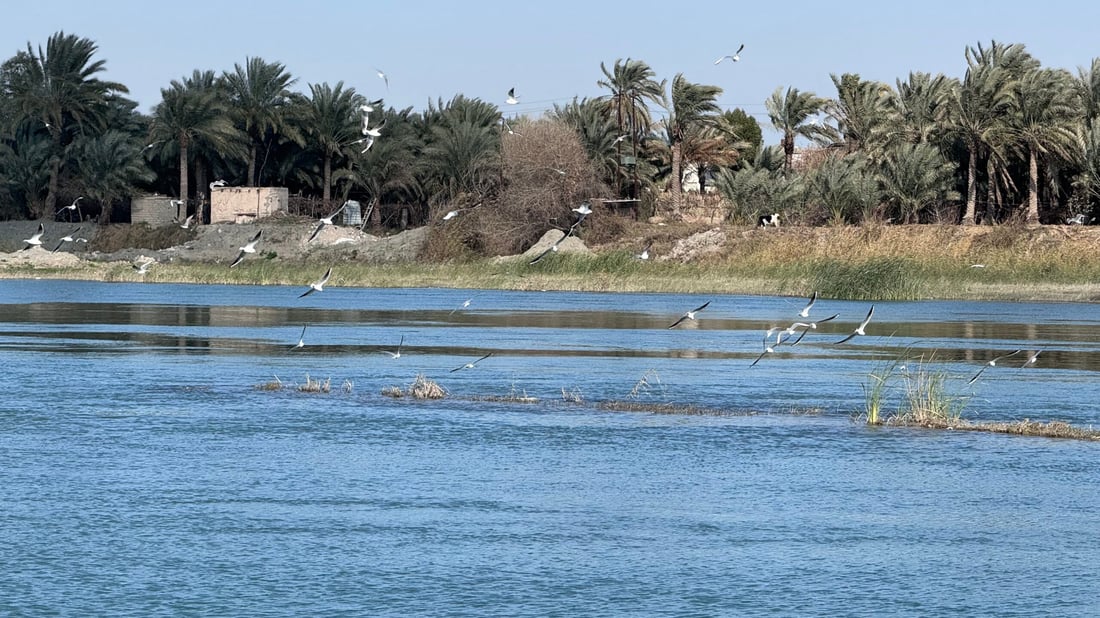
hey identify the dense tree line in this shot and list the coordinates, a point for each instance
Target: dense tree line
(1008, 139)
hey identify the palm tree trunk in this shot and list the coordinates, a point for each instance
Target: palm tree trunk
(788, 150)
(1032, 186)
(51, 193)
(677, 185)
(992, 195)
(184, 189)
(326, 191)
(971, 187)
(251, 166)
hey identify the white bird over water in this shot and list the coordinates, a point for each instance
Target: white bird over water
(319, 285)
(805, 313)
(992, 363)
(1031, 359)
(690, 315)
(249, 247)
(735, 56)
(808, 326)
(396, 355)
(323, 221)
(859, 329)
(464, 305)
(36, 239)
(512, 98)
(301, 340)
(471, 364)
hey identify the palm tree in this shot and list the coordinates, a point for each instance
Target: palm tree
(693, 107)
(844, 184)
(191, 111)
(462, 158)
(24, 172)
(979, 106)
(260, 96)
(110, 166)
(922, 104)
(914, 177)
(631, 83)
(864, 112)
(1046, 124)
(332, 120)
(598, 132)
(56, 87)
(790, 115)
(759, 186)
(1088, 88)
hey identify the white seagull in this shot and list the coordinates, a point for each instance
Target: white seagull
(859, 329)
(250, 247)
(644, 255)
(382, 76)
(554, 247)
(370, 106)
(805, 313)
(464, 305)
(375, 132)
(471, 364)
(71, 237)
(808, 326)
(767, 350)
(301, 341)
(325, 221)
(396, 355)
(70, 207)
(508, 128)
(736, 56)
(690, 315)
(512, 98)
(217, 183)
(187, 222)
(1031, 359)
(619, 139)
(992, 363)
(36, 239)
(143, 267)
(584, 209)
(319, 285)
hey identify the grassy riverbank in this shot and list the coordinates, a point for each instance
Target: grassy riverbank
(865, 263)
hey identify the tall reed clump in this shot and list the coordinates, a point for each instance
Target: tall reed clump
(874, 393)
(926, 400)
(877, 278)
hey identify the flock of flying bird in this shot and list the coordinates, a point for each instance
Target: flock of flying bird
(781, 334)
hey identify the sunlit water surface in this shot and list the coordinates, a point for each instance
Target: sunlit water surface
(142, 472)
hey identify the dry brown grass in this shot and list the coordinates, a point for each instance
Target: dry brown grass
(546, 173)
(315, 386)
(421, 388)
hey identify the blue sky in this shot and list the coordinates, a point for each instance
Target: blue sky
(551, 51)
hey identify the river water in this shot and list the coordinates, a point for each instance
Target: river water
(142, 472)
